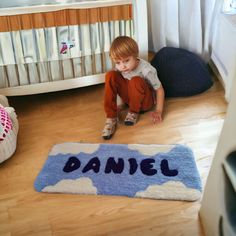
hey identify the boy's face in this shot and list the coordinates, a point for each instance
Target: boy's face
(126, 64)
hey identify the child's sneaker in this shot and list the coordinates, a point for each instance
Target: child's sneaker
(109, 128)
(131, 118)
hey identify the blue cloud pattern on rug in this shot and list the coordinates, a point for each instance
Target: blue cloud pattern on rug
(134, 170)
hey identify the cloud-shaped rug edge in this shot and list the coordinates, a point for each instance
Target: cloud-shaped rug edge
(81, 185)
(172, 190)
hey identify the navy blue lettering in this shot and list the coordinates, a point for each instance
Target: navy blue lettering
(146, 167)
(112, 165)
(166, 170)
(133, 166)
(93, 164)
(72, 164)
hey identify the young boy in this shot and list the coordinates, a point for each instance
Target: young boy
(135, 81)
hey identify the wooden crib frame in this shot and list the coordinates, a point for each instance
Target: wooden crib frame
(10, 15)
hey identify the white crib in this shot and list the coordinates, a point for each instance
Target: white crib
(62, 44)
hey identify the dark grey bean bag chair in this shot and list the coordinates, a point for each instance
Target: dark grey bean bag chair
(182, 73)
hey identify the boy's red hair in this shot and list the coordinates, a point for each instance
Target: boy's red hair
(122, 47)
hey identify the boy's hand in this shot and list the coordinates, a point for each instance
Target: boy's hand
(156, 117)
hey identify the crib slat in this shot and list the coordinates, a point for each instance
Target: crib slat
(93, 46)
(28, 39)
(64, 53)
(7, 52)
(52, 53)
(52, 47)
(86, 48)
(132, 30)
(7, 58)
(85, 42)
(55, 70)
(9, 73)
(111, 31)
(77, 66)
(116, 28)
(33, 73)
(96, 44)
(12, 75)
(62, 40)
(23, 74)
(19, 57)
(75, 51)
(94, 18)
(40, 45)
(38, 21)
(3, 77)
(43, 72)
(104, 14)
(41, 55)
(106, 35)
(51, 43)
(74, 41)
(106, 47)
(18, 48)
(29, 47)
(122, 27)
(127, 28)
(67, 68)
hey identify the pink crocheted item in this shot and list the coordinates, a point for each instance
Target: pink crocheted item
(5, 124)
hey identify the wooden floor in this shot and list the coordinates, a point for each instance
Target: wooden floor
(77, 115)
